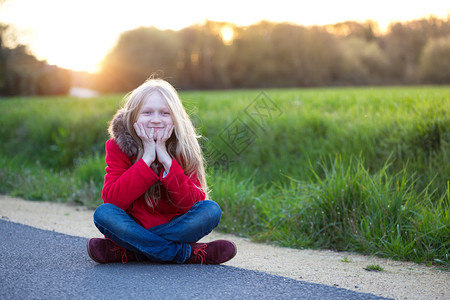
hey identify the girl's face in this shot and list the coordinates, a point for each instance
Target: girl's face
(155, 113)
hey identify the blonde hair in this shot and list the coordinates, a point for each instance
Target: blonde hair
(182, 145)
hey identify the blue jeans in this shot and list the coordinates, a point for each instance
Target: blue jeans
(163, 243)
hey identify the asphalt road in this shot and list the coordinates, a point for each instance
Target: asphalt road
(40, 264)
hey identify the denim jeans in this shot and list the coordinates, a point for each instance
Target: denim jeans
(163, 243)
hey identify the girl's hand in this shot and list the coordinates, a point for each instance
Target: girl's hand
(148, 142)
(161, 150)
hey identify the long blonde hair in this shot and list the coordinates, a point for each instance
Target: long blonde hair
(182, 145)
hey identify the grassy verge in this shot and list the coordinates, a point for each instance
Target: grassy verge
(362, 170)
(348, 209)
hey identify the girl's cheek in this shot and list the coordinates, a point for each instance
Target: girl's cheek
(141, 121)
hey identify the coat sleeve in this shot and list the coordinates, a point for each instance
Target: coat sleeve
(184, 191)
(125, 182)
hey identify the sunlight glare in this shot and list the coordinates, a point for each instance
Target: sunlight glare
(227, 34)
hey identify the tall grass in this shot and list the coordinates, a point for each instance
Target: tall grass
(362, 169)
(347, 209)
(54, 131)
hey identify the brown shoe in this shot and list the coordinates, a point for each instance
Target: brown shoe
(213, 253)
(106, 251)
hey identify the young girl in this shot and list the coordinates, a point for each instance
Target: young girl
(155, 187)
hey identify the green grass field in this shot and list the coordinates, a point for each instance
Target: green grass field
(357, 169)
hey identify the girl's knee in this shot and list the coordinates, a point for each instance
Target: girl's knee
(103, 213)
(214, 211)
(110, 218)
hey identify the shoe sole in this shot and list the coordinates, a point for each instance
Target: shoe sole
(89, 252)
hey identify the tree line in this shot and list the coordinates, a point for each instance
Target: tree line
(262, 55)
(282, 55)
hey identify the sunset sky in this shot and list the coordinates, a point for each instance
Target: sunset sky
(77, 34)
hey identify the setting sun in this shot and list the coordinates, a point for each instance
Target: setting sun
(227, 34)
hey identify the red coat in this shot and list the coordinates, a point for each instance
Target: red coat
(126, 184)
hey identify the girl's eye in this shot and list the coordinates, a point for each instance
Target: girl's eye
(166, 113)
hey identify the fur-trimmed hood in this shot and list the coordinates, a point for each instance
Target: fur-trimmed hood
(118, 131)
